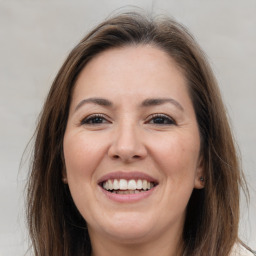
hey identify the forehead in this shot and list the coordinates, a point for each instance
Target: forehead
(141, 66)
(147, 56)
(130, 75)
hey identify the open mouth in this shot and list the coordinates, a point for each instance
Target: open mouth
(131, 186)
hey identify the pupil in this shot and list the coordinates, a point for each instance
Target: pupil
(159, 120)
(97, 120)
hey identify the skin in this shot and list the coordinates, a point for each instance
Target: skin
(126, 137)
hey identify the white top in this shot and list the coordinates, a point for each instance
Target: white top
(239, 250)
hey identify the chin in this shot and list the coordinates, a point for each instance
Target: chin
(131, 228)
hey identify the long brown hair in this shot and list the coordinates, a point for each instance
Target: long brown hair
(211, 226)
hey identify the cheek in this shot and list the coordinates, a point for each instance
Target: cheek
(178, 155)
(81, 155)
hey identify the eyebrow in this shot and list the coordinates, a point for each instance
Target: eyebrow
(97, 101)
(160, 101)
(146, 103)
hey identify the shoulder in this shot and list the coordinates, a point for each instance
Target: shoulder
(240, 250)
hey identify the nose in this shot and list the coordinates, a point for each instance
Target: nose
(127, 144)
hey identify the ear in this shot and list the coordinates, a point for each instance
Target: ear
(200, 175)
(64, 176)
(64, 171)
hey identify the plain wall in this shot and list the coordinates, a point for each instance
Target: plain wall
(35, 38)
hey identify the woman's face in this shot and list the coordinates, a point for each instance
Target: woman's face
(132, 145)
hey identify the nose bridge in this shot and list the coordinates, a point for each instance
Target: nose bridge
(127, 141)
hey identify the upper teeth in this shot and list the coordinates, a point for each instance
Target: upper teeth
(123, 184)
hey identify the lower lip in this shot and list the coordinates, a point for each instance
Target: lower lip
(128, 198)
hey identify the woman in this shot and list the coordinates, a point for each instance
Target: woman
(133, 151)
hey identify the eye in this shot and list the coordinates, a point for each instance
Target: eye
(95, 119)
(161, 119)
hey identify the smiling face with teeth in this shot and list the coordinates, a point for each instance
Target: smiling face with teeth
(117, 186)
(131, 147)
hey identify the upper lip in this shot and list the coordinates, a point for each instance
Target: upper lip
(127, 176)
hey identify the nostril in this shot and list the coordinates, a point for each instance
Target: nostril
(133, 157)
(126, 152)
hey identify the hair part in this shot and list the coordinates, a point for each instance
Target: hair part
(55, 225)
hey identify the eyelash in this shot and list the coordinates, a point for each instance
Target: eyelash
(97, 119)
(166, 120)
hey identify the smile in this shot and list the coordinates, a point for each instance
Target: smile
(123, 186)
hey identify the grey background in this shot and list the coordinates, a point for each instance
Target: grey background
(35, 38)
